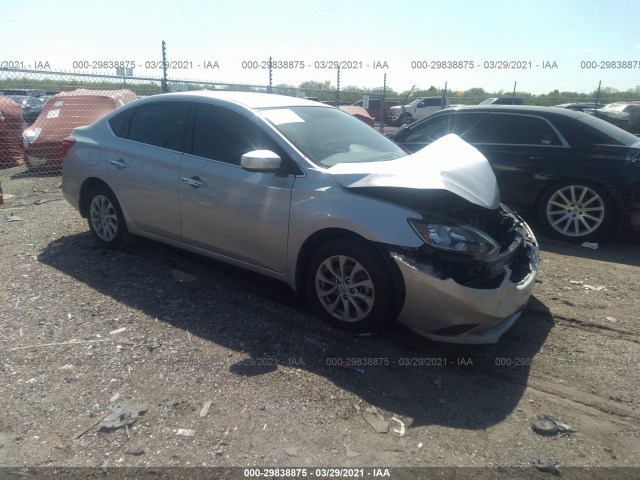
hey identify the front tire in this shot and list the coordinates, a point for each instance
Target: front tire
(576, 211)
(105, 218)
(350, 286)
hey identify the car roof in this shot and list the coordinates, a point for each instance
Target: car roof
(254, 100)
(530, 109)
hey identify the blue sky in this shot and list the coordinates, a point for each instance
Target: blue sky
(565, 32)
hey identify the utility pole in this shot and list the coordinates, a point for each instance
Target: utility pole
(443, 102)
(338, 88)
(382, 111)
(270, 77)
(513, 96)
(163, 83)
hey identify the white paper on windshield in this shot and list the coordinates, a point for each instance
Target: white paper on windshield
(282, 116)
(449, 163)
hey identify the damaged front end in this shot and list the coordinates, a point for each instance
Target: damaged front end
(474, 271)
(471, 279)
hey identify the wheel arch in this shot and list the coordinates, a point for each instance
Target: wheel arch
(88, 185)
(614, 195)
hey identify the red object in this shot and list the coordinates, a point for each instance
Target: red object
(358, 112)
(63, 112)
(11, 126)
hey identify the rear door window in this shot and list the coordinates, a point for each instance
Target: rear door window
(514, 129)
(161, 124)
(463, 124)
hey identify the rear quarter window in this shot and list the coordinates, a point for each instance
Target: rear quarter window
(119, 123)
(589, 130)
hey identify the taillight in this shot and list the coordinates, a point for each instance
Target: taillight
(67, 143)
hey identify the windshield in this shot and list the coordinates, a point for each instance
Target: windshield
(327, 136)
(16, 98)
(33, 102)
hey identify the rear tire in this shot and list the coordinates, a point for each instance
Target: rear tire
(105, 218)
(350, 286)
(576, 211)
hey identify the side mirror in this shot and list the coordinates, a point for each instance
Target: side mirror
(260, 160)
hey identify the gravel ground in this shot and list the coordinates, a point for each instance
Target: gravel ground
(230, 369)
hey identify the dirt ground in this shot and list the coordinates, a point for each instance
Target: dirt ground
(232, 370)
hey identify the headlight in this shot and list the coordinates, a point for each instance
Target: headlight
(30, 136)
(455, 238)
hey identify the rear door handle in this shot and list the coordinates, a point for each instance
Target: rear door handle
(120, 163)
(195, 182)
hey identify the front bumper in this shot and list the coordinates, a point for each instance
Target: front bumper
(444, 310)
(33, 161)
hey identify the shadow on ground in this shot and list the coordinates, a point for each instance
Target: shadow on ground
(469, 387)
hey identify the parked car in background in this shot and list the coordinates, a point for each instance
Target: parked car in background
(31, 107)
(579, 107)
(374, 108)
(625, 115)
(418, 108)
(63, 112)
(579, 174)
(11, 127)
(25, 92)
(502, 101)
(358, 112)
(307, 194)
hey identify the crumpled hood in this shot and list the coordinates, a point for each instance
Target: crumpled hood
(449, 164)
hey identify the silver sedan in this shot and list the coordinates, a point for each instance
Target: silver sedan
(302, 192)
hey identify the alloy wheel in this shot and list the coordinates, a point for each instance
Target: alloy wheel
(103, 218)
(344, 288)
(575, 210)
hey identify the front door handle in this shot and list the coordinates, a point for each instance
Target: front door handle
(195, 182)
(120, 163)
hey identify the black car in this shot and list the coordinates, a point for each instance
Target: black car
(31, 107)
(579, 174)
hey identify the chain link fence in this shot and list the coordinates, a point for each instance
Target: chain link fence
(38, 109)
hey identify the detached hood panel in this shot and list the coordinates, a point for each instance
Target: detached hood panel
(449, 164)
